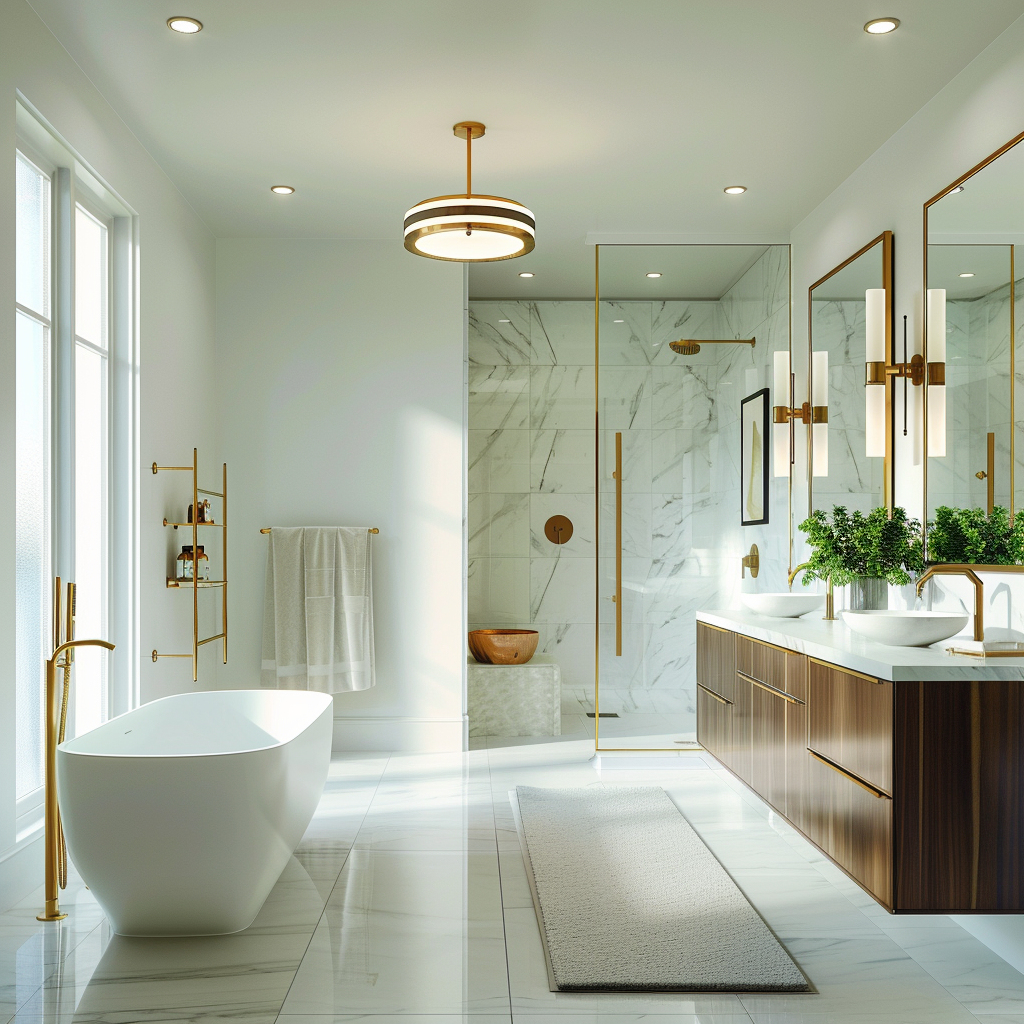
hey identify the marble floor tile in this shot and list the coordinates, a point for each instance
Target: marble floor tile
(408, 933)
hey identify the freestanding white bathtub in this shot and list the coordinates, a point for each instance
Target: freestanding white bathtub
(181, 815)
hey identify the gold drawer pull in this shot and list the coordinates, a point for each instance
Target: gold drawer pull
(711, 693)
(775, 690)
(849, 775)
(749, 678)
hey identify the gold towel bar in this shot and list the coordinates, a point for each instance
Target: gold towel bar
(267, 529)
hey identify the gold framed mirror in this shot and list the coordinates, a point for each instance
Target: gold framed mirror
(853, 371)
(972, 229)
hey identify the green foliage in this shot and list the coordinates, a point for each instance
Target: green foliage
(849, 546)
(968, 535)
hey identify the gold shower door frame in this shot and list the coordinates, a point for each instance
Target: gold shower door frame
(618, 518)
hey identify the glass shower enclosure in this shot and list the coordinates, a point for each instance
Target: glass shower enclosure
(683, 334)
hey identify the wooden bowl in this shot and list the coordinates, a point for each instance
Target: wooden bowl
(503, 646)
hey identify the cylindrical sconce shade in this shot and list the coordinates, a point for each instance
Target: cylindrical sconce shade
(874, 352)
(819, 413)
(781, 431)
(936, 353)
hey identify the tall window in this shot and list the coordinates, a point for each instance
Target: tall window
(32, 464)
(92, 460)
(75, 443)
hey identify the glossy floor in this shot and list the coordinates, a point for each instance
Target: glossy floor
(407, 903)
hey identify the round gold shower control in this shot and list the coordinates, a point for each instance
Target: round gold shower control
(558, 529)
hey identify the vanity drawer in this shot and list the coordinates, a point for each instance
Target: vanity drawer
(761, 663)
(851, 721)
(714, 724)
(852, 823)
(716, 660)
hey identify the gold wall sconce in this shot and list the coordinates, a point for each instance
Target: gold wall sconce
(787, 413)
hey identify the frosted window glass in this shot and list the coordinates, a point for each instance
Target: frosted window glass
(32, 543)
(90, 278)
(32, 226)
(91, 536)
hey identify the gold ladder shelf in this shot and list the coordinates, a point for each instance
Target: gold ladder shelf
(196, 585)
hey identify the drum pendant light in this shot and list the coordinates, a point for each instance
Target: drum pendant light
(469, 228)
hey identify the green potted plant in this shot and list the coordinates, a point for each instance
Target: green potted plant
(969, 535)
(866, 552)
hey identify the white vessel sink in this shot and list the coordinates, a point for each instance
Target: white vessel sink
(907, 628)
(782, 606)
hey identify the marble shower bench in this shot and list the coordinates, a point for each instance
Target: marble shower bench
(515, 700)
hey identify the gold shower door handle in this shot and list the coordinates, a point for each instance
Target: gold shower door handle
(618, 545)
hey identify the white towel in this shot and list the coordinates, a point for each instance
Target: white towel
(318, 610)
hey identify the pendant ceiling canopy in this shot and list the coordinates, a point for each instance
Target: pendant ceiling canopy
(469, 228)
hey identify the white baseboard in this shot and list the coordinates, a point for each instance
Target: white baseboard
(20, 873)
(429, 735)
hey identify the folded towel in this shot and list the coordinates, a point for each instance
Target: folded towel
(318, 610)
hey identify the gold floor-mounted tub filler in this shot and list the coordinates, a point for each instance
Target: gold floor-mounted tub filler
(503, 646)
(54, 848)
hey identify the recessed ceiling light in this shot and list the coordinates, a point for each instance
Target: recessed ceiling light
(735, 190)
(504, 321)
(282, 190)
(967, 275)
(618, 321)
(882, 26)
(654, 273)
(186, 26)
(526, 273)
(954, 191)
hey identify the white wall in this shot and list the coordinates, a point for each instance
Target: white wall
(982, 108)
(341, 367)
(176, 331)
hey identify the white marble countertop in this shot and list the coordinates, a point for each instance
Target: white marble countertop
(833, 642)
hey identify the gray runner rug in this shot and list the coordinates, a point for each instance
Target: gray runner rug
(629, 898)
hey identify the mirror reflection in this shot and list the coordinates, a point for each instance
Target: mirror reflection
(850, 332)
(974, 233)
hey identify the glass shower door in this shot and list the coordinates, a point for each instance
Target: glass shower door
(668, 440)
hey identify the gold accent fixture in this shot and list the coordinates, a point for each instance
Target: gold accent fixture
(957, 569)
(558, 529)
(691, 346)
(830, 611)
(54, 848)
(990, 472)
(618, 544)
(914, 371)
(711, 693)
(469, 228)
(848, 671)
(793, 573)
(503, 646)
(195, 585)
(849, 775)
(752, 562)
(770, 689)
(372, 529)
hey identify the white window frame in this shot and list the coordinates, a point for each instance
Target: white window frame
(74, 183)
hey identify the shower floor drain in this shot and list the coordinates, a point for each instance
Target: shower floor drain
(603, 714)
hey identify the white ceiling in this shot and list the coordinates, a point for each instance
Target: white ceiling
(601, 116)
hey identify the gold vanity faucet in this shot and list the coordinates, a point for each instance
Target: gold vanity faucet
(979, 591)
(53, 838)
(793, 575)
(830, 607)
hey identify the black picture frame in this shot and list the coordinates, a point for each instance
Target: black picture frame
(754, 421)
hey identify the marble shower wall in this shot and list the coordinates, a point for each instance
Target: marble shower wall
(978, 401)
(853, 480)
(531, 438)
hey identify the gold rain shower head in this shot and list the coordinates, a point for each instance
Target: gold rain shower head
(690, 346)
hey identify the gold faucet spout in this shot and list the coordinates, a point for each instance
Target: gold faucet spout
(955, 569)
(793, 573)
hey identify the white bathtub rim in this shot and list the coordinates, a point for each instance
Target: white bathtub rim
(67, 749)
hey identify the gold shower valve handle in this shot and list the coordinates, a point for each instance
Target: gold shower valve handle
(751, 561)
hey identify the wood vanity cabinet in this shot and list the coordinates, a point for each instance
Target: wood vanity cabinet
(915, 789)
